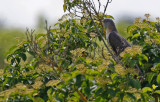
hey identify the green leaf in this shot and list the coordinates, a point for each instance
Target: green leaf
(53, 30)
(140, 62)
(78, 80)
(135, 83)
(92, 72)
(23, 56)
(150, 77)
(65, 1)
(133, 63)
(130, 27)
(135, 36)
(146, 89)
(75, 73)
(109, 16)
(157, 91)
(56, 24)
(67, 26)
(12, 48)
(98, 91)
(18, 60)
(35, 75)
(158, 79)
(74, 99)
(76, 95)
(98, 99)
(64, 7)
(49, 93)
(9, 57)
(144, 57)
(113, 75)
(40, 35)
(87, 89)
(38, 99)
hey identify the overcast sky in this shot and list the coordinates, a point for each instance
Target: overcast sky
(23, 13)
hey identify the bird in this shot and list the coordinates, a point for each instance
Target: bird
(114, 39)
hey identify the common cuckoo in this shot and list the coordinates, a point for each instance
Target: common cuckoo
(116, 41)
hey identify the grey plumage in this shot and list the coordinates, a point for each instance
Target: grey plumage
(116, 41)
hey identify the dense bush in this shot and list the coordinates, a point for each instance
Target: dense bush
(71, 64)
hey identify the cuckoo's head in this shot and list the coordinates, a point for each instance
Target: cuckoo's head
(109, 25)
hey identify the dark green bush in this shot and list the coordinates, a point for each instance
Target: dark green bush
(70, 64)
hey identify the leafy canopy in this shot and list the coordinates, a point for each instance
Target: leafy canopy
(71, 64)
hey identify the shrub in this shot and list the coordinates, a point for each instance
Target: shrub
(71, 64)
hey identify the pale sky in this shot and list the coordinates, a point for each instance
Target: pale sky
(23, 13)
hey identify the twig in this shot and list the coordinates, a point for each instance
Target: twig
(113, 56)
(93, 4)
(99, 6)
(156, 97)
(82, 96)
(103, 53)
(27, 30)
(105, 8)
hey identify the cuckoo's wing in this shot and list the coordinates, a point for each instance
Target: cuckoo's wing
(117, 42)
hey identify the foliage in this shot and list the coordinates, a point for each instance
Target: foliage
(70, 64)
(9, 38)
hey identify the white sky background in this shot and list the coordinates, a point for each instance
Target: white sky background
(23, 13)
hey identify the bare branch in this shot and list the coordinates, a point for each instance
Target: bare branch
(99, 5)
(103, 53)
(27, 30)
(93, 4)
(105, 8)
